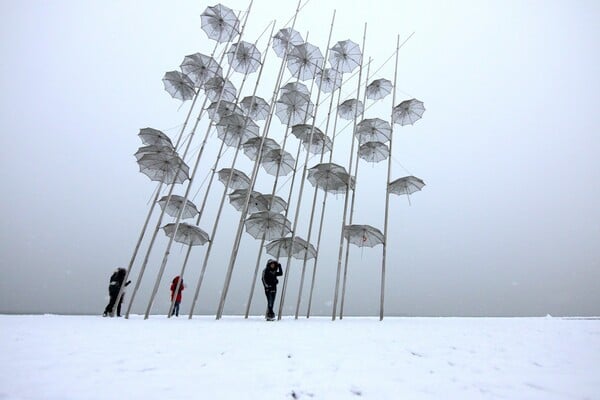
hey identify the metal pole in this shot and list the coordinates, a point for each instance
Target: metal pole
(238, 236)
(387, 191)
(295, 224)
(341, 247)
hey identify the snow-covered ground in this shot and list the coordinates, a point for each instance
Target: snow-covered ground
(90, 357)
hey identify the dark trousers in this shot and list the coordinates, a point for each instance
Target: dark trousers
(111, 303)
(176, 309)
(271, 294)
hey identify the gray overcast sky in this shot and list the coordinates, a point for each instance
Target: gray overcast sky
(508, 224)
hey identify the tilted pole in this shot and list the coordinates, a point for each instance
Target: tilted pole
(244, 211)
(214, 230)
(185, 197)
(312, 130)
(348, 188)
(352, 206)
(387, 191)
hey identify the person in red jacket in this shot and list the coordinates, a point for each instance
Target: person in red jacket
(174, 283)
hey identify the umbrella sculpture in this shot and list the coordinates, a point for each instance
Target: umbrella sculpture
(408, 112)
(330, 177)
(150, 136)
(284, 247)
(218, 87)
(277, 162)
(373, 151)
(345, 56)
(302, 131)
(330, 80)
(292, 108)
(154, 149)
(378, 89)
(255, 107)
(186, 234)
(252, 146)
(218, 109)
(256, 203)
(174, 205)
(200, 68)
(350, 108)
(285, 40)
(373, 130)
(244, 57)
(363, 235)
(268, 225)
(235, 129)
(220, 23)
(239, 180)
(304, 61)
(179, 86)
(406, 185)
(164, 168)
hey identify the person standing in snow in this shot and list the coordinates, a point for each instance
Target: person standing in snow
(116, 281)
(270, 281)
(179, 295)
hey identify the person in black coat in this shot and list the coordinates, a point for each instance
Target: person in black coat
(116, 281)
(270, 281)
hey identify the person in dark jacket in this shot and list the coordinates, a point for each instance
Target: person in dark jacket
(179, 295)
(270, 281)
(116, 281)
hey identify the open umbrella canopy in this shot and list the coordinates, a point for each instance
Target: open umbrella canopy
(285, 247)
(255, 107)
(268, 224)
(173, 206)
(329, 80)
(303, 131)
(373, 151)
(350, 108)
(151, 136)
(256, 202)
(238, 180)
(284, 40)
(373, 130)
(200, 68)
(304, 61)
(179, 86)
(217, 87)
(224, 108)
(220, 23)
(345, 56)
(363, 235)
(275, 203)
(235, 129)
(330, 177)
(164, 168)
(244, 57)
(319, 144)
(252, 146)
(277, 162)
(408, 112)
(186, 234)
(293, 108)
(154, 149)
(406, 185)
(378, 89)
(297, 87)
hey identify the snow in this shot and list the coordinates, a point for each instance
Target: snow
(90, 357)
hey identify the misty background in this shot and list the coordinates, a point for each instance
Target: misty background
(508, 224)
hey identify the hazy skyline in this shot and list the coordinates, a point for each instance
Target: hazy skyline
(508, 224)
